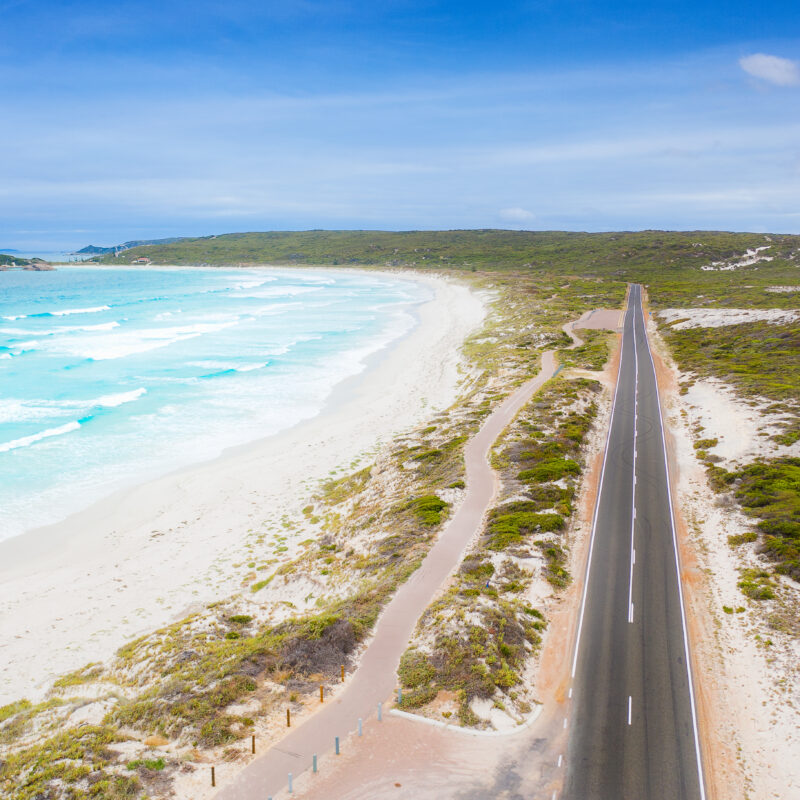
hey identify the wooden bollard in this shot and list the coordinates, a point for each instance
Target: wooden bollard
(288, 718)
(253, 743)
(213, 777)
(321, 695)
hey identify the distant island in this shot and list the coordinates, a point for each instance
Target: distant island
(17, 262)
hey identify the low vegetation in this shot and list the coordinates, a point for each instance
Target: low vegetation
(757, 358)
(769, 491)
(661, 256)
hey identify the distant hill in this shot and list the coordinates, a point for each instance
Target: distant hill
(624, 254)
(93, 249)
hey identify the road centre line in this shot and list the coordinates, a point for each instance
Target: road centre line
(633, 485)
(677, 566)
(630, 704)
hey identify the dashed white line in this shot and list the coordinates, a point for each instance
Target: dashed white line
(560, 758)
(635, 443)
(565, 722)
(630, 705)
(569, 693)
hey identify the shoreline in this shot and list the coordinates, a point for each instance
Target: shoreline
(337, 392)
(148, 554)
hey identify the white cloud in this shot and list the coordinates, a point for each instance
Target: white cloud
(773, 69)
(517, 214)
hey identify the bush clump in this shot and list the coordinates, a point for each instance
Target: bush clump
(769, 490)
(508, 524)
(427, 509)
(551, 470)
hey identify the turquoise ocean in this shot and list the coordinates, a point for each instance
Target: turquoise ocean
(109, 376)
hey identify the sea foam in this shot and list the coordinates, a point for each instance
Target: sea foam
(102, 403)
(26, 441)
(60, 313)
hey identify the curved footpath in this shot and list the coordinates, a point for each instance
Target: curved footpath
(375, 678)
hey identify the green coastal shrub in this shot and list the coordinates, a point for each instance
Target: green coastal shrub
(415, 669)
(427, 509)
(756, 584)
(550, 470)
(506, 529)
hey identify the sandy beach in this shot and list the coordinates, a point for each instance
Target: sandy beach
(72, 593)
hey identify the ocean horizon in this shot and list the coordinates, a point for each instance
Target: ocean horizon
(112, 376)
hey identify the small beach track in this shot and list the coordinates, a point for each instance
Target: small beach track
(375, 678)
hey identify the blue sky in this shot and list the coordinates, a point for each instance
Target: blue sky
(141, 120)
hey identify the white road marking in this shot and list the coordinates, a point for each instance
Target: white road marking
(635, 443)
(565, 722)
(560, 757)
(597, 508)
(634, 555)
(678, 574)
(569, 694)
(630, 703)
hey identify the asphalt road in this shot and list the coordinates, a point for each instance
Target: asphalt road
(633, 730)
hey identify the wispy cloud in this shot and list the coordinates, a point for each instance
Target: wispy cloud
(517, 215)
(772, 69)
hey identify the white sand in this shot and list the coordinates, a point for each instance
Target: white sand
(74, 592)
(743, 429)
(751, 256)
(782, 289)
(719, 317)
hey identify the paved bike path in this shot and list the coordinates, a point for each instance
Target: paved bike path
(375, 678)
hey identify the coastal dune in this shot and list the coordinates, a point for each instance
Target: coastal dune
(72, 593)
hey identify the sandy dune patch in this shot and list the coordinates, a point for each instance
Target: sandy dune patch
(751, 256)
(719, 317)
